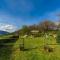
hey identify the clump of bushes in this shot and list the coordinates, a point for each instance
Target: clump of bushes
(48, 49)
(37, 35)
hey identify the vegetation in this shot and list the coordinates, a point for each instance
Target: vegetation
(35, 49)
(42, 44)
(42, 27)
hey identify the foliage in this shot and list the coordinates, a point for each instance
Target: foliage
(46, 25)
(41, 27)
(38, 53)
(24, 30)
(58, 37)
(34, 53)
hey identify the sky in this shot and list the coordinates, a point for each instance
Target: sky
(16, 13)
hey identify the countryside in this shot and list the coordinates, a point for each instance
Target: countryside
(29, 29)
(35, 42)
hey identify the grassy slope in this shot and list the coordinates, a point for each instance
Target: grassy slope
(14, 53)
(6, 51)
(38, 53)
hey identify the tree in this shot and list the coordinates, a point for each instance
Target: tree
(46, 25)
(24, 30)
(58, 26)
(33, 27)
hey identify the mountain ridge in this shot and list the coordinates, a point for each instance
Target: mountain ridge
(3, 32)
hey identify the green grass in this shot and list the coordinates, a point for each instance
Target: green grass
(38, 53)
(5, 36)
(14, 53)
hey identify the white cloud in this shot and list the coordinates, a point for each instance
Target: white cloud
(5, 18)
(7, 27)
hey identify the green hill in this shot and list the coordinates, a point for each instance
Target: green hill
(33, 48)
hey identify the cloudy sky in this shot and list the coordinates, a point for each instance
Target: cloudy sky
(21, 12)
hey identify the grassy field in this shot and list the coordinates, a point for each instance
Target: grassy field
(38, 53)
(35, 46)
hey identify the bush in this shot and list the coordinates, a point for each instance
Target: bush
(58, 37)
(48, 49)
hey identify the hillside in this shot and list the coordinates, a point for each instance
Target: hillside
(33, 48)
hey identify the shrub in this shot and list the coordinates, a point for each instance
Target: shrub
(48, 49)
(58, 37)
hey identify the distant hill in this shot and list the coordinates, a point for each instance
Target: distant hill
(3, 32)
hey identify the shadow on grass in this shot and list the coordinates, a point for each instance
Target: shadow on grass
(9, 40)
(27, 49)
(6, 50)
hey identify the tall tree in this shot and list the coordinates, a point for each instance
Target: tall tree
(46, 25)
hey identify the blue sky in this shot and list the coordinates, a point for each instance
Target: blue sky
(21, 12)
